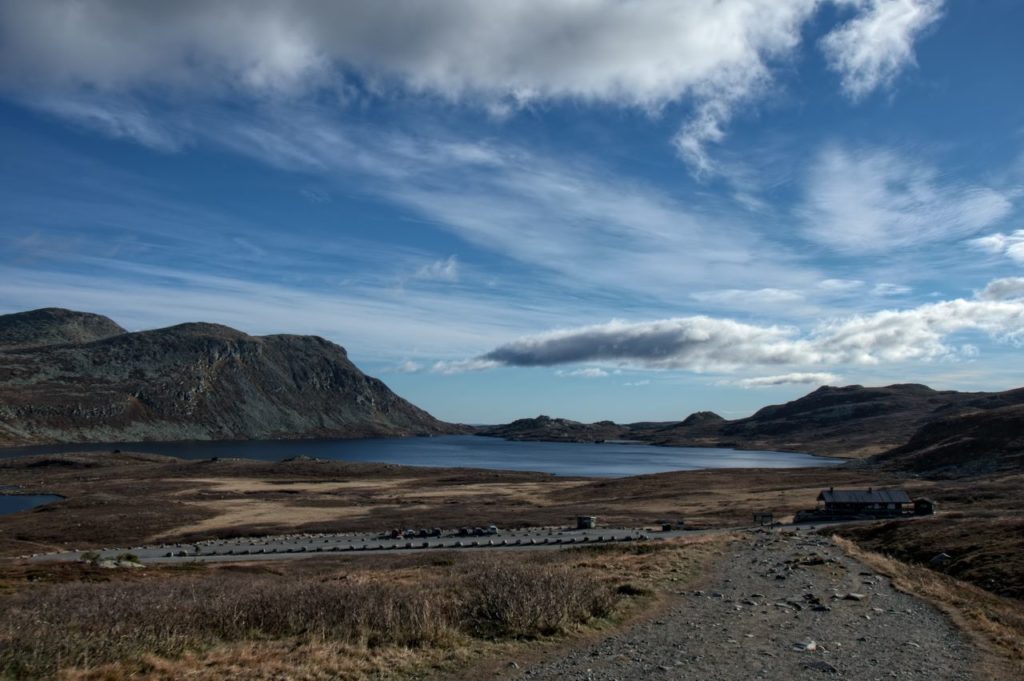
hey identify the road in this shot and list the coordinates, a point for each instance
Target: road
(783, 605)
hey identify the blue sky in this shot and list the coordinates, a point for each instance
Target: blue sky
(593, 209)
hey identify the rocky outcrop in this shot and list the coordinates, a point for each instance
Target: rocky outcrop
(191, 381)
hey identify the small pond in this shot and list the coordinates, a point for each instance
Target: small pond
(12, 503)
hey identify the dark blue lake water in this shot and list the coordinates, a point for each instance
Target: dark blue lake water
(470, 451)
(12, 503)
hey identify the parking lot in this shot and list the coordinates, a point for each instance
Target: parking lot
(303, 545)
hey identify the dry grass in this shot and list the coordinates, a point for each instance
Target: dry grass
(80, 625)
(985, 550)
(356, 622)
(995, 624)
(232, 513)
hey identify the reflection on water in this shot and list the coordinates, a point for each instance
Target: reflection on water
(470, 451)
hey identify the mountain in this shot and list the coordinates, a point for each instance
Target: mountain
(853, 421)
(75, 377)
(850, 420)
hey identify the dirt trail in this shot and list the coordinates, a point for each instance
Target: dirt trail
(783, 606)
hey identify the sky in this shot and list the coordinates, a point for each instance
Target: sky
(594, 209)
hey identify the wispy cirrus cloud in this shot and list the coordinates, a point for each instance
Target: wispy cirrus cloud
(1009, 245)
(567, 216)
(763, 296)
(870, 200)
(585, 372)
(873, 47)
(440, 270)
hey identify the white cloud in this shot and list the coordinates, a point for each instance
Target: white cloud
(643, 54)
(1009, 245)
(715, 55)
(799, 378)
(889, 289)
(873, 47)
(409, 367)
(699, 343)
(462, 366)
(637, 384)
(440, 270)
(711, 344)
(840, 285)
(872, 200)
(757, 297)
(1008, 288)
(586, 372)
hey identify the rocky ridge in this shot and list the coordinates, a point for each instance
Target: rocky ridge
(76, 377)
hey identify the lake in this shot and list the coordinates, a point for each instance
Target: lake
(471, 451)
(12, 503)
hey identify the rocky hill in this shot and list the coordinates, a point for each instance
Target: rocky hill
(75, 377)
(54, 326)
(853, 421)
(547, 429)
(973, 442)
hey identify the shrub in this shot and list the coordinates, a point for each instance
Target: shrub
(525, 601)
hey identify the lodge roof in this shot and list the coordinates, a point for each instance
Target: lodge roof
(869, 496)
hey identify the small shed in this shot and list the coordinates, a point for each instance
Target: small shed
(880, 502)
(924, 506)
(586, 522)
(764, 518)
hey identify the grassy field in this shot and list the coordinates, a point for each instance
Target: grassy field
(323, 618)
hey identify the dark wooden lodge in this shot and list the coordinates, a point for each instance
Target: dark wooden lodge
(882, 503)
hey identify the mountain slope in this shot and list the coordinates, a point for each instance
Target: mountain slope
(54, 326)
(193, 381)
(974, 442)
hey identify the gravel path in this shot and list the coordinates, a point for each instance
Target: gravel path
(783, 606)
